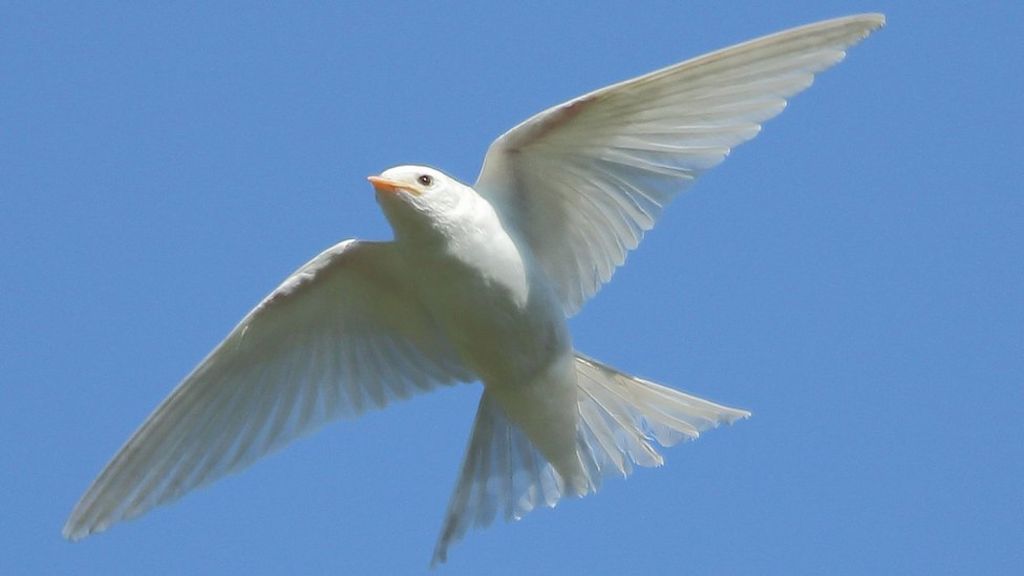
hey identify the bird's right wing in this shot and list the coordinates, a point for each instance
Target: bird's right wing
(343, 334)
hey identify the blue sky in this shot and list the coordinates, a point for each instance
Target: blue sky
(853, 276)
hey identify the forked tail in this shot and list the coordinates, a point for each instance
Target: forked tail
(620, 418)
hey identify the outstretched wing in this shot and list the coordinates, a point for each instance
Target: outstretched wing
(341, 335)
(582, 181)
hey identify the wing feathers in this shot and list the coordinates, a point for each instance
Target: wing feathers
(582, 181)
(341, 335)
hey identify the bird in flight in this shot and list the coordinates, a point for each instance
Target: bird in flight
(477, 286)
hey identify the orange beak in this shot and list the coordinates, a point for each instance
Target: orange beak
(385, 185)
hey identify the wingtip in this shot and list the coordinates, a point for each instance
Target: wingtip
(72, 534)
(877, 20)
(866, 23)
(76, 528)
(873, 20)
(742, 415)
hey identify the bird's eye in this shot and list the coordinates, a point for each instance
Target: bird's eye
(425, 179)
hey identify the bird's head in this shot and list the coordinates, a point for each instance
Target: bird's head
(418, 200)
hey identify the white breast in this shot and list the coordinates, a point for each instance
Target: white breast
(493, 300)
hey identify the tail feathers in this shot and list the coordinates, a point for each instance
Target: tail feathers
(620, 418)
(502, 470)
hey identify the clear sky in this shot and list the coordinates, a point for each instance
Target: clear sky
(853, 276)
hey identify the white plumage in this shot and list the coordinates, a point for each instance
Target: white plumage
(477, 285)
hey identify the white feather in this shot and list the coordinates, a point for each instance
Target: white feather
(620, 419)
(341, 335)
(583, 180)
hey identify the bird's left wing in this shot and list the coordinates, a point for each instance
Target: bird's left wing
(343, 334)
(582, 181)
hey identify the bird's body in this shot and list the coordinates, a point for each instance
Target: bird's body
(489, 294)
(477, 285)
(495, 305)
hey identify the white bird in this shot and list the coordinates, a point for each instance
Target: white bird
(477, 285)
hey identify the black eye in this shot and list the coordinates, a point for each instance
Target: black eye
(425, 179)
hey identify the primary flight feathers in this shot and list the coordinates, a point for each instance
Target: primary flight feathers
(590, 176)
